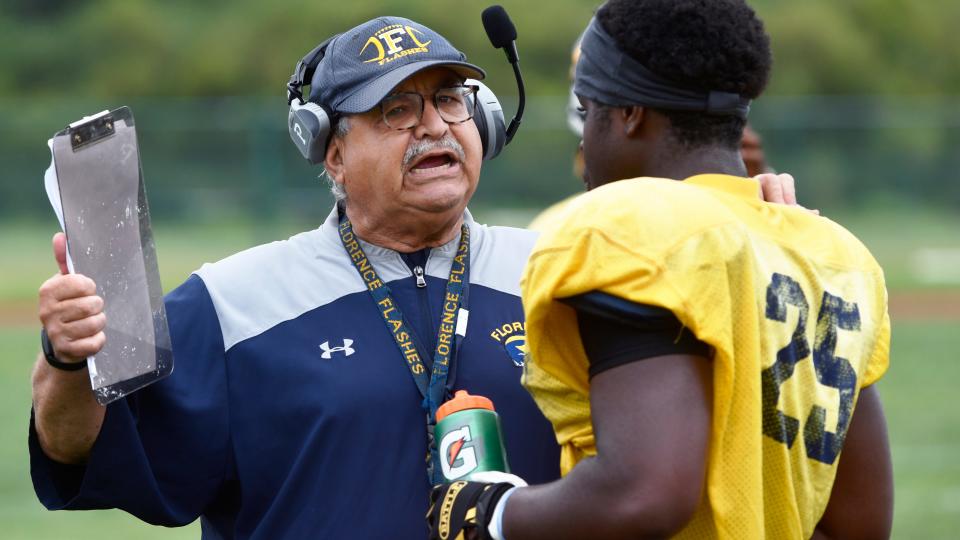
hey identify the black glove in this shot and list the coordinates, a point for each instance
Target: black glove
(462, 510)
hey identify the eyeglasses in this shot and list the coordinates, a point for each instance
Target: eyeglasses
(455, 104)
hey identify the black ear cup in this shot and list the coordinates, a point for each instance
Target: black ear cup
(309, 126)
(309, 123)
(489, 119)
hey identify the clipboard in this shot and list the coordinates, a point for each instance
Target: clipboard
(95, 185)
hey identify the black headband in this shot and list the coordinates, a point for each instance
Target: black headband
(607, 75)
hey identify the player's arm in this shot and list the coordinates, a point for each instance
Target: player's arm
(651, 421)
(67, 416)
(651, 418)
(861, 503)
(650, 396)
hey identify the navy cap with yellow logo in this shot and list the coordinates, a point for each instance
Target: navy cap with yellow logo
(364, 64)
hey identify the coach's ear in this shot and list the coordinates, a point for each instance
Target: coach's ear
(333, 163)
(632, 117)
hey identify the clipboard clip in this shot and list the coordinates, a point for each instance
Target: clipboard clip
(91, 129)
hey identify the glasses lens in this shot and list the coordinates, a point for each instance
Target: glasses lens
(402, 111)
(455, 104)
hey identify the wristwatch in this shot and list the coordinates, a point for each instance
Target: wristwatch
(52, 358)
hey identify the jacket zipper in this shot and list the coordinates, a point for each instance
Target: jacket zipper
(418, 273)
(425, 315)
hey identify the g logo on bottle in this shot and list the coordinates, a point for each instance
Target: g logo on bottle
(457, 459)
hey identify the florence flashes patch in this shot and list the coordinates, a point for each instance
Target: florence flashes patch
(513, 337)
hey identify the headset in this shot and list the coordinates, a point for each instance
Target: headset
(310, 123)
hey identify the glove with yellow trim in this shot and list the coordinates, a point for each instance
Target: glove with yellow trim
(462, 510)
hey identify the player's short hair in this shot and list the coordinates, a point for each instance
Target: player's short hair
(708, 45)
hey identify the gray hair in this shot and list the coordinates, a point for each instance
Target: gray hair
(336, 189)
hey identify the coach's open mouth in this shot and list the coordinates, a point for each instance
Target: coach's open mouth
(435, 159)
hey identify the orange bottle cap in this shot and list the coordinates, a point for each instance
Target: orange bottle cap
(462, 401)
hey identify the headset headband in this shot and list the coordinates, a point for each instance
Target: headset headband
(305, 69)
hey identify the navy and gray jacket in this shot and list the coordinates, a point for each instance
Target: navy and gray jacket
(291, 412)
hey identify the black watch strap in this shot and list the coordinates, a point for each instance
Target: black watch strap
(52, 358)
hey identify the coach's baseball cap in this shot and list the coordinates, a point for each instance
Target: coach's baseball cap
(362, 65)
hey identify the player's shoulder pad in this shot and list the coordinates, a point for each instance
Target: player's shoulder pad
(845, 249)
(658, 210)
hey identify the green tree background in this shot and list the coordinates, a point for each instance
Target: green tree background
(122, 48)
(863, 107)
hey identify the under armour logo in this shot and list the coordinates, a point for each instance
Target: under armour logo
(347, 350)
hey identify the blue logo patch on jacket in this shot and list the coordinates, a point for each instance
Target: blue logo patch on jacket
(513, 337)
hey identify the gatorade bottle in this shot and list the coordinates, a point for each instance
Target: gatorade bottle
(469, 438)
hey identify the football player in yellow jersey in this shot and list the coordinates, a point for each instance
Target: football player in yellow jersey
(707, 360)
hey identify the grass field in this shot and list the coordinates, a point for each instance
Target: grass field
(918, 391)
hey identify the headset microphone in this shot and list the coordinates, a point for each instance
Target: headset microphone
(503, 35)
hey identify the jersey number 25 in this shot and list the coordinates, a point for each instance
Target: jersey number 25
(831, 370)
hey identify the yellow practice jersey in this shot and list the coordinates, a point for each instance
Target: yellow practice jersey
(793, 305)
(542, 221)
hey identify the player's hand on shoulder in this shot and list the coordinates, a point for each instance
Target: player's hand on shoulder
(71, 311)
(780, 189)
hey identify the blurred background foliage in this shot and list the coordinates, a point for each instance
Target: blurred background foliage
(864, 105)
(127, 48)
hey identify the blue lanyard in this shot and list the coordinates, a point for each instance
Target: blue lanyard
(432, 387)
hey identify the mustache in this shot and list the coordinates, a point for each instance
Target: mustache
(421, 147)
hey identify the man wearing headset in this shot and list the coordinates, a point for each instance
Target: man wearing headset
(707, 360)
(307, 370)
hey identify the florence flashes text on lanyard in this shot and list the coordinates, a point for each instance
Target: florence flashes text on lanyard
(453, 321)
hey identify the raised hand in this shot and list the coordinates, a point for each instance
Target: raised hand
(71, 311)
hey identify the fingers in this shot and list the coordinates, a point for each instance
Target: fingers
(60, 251)
(771, 188)
(78, 339)
(64, 287)
(787, 188)
(72, 313)
(78, 309)
(780, 189)
(76, 350)
(82, 328)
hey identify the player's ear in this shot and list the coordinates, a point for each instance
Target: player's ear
(632, 119)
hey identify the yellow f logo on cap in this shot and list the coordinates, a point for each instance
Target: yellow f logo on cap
(392, 37)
